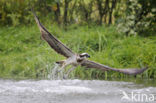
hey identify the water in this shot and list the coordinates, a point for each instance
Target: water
(54, 72)
(70, 91)
(57, 73)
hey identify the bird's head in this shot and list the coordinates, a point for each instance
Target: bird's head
(84, 55)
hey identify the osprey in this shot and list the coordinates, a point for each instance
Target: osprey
(75, 59)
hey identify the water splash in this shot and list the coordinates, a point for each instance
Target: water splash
(56, 72)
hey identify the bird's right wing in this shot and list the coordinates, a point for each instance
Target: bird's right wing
(91, 64)
(52, 41)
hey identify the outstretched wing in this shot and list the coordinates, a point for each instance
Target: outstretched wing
(52, 41)
(91, 64)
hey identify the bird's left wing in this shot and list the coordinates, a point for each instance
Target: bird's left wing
(91, 64)
(52, 41)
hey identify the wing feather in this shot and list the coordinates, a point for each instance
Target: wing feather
(130, 71)
(53, 41)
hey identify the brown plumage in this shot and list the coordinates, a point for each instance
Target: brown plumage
(77, 59)
(52, 41)
(132, 71)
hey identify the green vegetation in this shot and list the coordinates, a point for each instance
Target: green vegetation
(133, 17)
(118, 33)
(24, 55)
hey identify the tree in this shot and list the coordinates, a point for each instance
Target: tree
(113, 5)
(66, 4)
(56, 9)
(103, 7)
(140, 18)
(72, 10)
(85, 10)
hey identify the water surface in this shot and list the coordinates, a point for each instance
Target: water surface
(70, 91)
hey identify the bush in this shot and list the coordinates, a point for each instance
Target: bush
(140, 18)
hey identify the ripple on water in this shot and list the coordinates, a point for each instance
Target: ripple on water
(67, 91)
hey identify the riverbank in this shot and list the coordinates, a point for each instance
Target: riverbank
(24, 55)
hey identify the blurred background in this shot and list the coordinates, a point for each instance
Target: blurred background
(118, 33)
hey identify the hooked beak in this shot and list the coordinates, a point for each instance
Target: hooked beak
(88, 56)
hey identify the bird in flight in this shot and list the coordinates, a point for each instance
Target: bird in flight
(76, 59)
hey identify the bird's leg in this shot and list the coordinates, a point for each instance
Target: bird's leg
(54, 71)
(61, 65)
(60, 72)
(61, 68)
(65, 76)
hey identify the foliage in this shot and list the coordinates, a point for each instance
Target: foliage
(24, 55)
(140, 18)
(16, 12)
